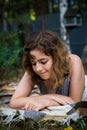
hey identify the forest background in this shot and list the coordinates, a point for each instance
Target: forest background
(16, 19)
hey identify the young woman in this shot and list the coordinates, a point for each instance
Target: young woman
(58, 74)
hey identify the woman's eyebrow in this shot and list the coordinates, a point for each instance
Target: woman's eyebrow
(39, 60)
(42, 59)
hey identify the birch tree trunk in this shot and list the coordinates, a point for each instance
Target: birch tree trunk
(63, 6)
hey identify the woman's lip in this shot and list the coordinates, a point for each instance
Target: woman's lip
(42, 73)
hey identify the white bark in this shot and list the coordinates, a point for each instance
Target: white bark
(63, 8)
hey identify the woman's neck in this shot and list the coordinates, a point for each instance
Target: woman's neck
(50, 85)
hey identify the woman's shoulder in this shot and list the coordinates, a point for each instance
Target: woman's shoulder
(75, 59)
(75, 63)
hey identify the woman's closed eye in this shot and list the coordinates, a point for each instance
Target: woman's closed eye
(41, 62)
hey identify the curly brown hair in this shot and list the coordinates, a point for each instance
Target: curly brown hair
(50, 44)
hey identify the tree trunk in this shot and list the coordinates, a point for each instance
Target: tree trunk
(63, 5)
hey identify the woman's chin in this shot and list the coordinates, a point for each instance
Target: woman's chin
(45, 78)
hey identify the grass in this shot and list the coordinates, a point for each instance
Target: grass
(30, 124)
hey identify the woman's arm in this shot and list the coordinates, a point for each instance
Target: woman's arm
(77, 78)
(22, 100)
(20, 96)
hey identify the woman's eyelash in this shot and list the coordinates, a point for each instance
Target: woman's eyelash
(42, 62)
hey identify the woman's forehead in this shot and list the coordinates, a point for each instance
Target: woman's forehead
(36, 54)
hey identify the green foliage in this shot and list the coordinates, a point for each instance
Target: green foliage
(29, 124)
(51, 125)
(3, 126)
(10, 54)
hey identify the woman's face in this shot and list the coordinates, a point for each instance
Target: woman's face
(41, 64)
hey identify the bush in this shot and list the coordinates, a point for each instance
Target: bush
(10, 55)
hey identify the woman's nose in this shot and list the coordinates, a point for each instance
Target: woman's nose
(38, 67)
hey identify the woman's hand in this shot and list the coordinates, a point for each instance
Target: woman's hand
(38, 103)
(62, 100)
(43, 101)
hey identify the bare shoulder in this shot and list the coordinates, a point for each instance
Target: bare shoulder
(74, 59)
(75, 64)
